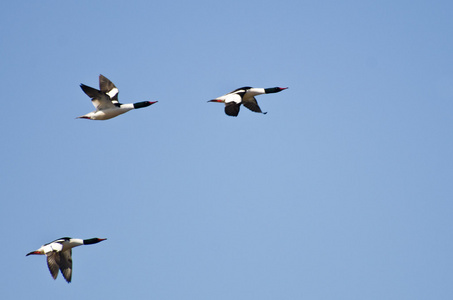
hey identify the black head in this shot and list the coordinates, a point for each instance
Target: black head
(143, 104)
(274, 90)
(92, 241)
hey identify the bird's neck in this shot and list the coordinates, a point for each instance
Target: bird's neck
(71, 243)
(76, 242)
(127, 106)
(255, 91)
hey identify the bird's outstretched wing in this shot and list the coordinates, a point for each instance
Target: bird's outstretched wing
(99, 99)
(232, 103)
(252, 105)
(53, 262)
(107, 87)
(232, 109)
(66, 264)
(231, 97)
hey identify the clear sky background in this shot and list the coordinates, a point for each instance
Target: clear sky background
(342, 191)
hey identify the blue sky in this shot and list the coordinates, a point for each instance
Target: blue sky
(342, 191)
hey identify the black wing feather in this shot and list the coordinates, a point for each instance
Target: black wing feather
(53, 262)
(232, 109)
(252, 104)
(66, 264)
(91, 92)
(106, 86)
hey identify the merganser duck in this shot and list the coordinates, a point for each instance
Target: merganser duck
(106, 102)
(244, 95)
(59, 254)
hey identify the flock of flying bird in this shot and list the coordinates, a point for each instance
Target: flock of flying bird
(107, 105)
(105, 100)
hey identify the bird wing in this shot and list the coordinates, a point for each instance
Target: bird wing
(231, 98)
(66, 264)
(232, 109)
(53, 262)
(232, 103)
(47, 248)
(53, 246)
(99, 99)
(108, 88)
(251, 104)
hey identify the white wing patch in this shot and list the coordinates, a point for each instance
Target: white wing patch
(57, 247)
(231, 98)
(113, 92)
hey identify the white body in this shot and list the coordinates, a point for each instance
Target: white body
(60, 245)
(108, 113)
(236, 97)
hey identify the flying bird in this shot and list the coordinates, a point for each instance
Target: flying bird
(106, 102)
(244, 95)
(59, 254)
